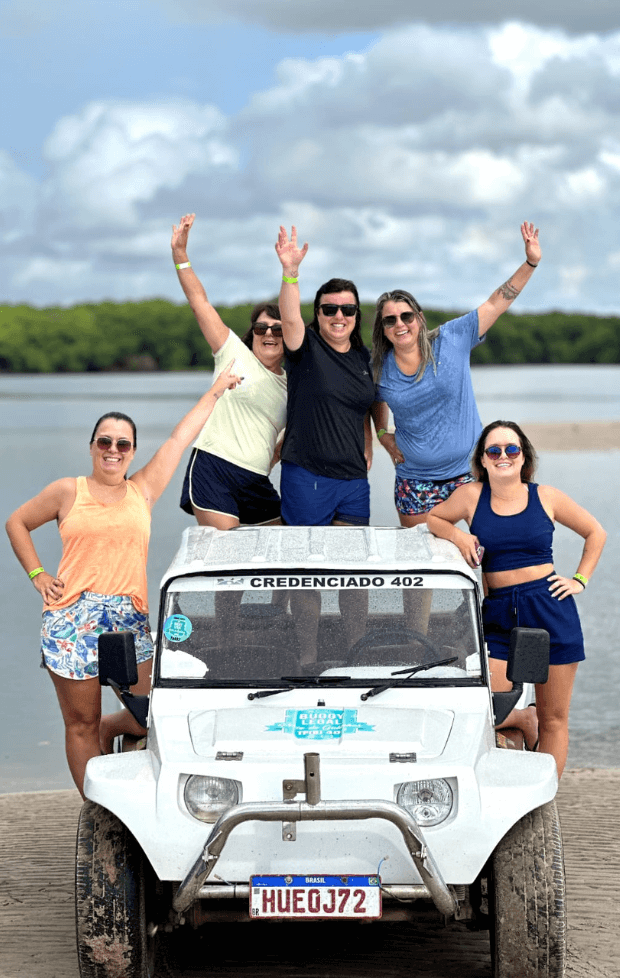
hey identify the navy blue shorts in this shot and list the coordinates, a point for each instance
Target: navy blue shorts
(317, 500)
(217, 486)
(531, 605)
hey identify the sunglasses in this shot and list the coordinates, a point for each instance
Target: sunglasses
(261, 328)
(495, 451)
(388, 322)
(330, 308)
(123, 445)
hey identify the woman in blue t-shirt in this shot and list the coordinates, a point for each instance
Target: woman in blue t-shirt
(513, 519)
(424, 377)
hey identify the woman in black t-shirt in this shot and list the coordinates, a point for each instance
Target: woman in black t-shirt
(327, 447)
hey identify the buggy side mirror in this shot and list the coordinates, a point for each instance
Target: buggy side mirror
(118, 668)
(528, 662)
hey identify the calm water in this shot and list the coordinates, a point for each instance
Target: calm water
(46, 423)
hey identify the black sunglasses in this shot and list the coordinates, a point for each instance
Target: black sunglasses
(330, 308)
(261, 328)
(405, 317)
(123, 445)
(495, 451)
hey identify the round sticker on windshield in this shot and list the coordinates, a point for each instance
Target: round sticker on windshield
(177, 628)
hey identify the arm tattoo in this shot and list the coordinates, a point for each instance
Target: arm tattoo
(507, 291)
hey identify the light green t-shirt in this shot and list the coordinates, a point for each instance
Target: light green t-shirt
(246, 422)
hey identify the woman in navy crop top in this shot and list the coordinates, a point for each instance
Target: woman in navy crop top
(513, 519)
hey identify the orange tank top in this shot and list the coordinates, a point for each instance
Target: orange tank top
(105, 546)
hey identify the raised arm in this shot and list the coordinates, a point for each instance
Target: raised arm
(52, 503)
(291, 256)
(503, 297)
(569, 513)
(214, 330)
(153, 478)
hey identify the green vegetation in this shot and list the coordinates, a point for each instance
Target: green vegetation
(157, 334)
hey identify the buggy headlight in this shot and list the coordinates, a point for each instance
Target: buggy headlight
(430, 802)
(206, 797)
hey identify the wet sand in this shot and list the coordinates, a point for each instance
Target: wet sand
(577, 436)
(37, 929)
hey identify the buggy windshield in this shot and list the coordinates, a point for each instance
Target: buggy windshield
(258, 629)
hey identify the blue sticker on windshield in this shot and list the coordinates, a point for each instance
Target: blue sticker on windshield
(320, 724)
(177, 628)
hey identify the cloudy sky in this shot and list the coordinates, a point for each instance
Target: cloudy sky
(407, 141)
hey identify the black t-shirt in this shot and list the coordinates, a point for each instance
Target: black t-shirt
(329, 394)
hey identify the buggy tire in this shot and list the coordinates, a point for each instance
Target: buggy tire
(110, 899)
(527, 899)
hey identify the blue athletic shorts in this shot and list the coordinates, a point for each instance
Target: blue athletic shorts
(415, 496)
(531, 605)
(69, 636)
(317, 500)
(217, 486)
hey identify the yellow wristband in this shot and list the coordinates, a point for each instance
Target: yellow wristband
(33, 573)
(582, 580)
(289, 279)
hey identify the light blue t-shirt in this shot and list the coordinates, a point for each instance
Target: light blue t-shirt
(437, 421)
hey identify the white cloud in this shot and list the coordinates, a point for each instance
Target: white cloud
(327, 16)
(412, 163)
(115, 155)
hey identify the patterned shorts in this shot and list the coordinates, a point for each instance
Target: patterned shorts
(69, 635)
(414, 496)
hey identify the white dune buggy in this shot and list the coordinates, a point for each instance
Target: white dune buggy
(320, 746)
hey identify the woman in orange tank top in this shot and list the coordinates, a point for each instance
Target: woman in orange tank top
(104, 522)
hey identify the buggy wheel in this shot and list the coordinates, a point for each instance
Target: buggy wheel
(110, 899)
(527, 901)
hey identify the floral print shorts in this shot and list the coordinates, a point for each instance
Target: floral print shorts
(69, 635)
(415, 496)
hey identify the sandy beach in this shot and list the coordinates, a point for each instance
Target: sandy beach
(37, 929)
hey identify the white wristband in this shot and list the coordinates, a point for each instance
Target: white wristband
(184, 264)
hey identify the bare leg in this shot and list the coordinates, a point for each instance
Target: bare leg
(407, 520)
(417, 605)
(354, 613)
(553, 704)
(116, 724)
(306, 611)
(524, 720)
(80, 705)
(220, 521)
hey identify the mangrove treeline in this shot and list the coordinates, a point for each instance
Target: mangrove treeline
(160, 335)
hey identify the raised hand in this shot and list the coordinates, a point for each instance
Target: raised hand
(288, 251)
(180, 234)
(226, 380)
(532, 247)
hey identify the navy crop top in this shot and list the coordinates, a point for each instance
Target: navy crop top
(510, 542)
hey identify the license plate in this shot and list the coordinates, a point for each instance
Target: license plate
(315, 896)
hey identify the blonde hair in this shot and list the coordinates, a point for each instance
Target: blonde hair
(381, 346)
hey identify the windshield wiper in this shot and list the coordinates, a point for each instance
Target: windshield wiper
(298, 682)
(410, 671)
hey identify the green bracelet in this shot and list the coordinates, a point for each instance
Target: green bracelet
(289, 279)
(381, 432)
(582, 580)
(37, 570)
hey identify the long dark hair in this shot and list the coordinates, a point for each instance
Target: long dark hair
(270, 309)
(381, 345)
(340, 285)
(530, 458)
(116, 416)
